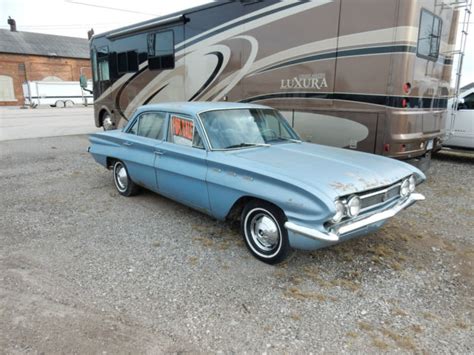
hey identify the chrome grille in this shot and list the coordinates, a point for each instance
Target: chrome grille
(375, 198)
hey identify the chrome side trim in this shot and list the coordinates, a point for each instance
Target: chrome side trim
(312, 233)
(334, 235)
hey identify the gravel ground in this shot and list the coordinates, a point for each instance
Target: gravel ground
(84, 270)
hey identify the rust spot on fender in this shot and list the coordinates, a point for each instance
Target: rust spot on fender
(342, 187)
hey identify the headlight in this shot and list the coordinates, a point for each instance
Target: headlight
(353, 206)
(340, 211)
(411, 183)
(405, 188)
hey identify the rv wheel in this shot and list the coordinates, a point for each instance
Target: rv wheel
(107, 123)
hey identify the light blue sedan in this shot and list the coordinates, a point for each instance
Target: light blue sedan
(244, 161)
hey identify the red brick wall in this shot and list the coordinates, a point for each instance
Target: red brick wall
(37, 68)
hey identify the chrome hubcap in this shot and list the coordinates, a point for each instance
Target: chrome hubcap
(107, 123)
(264, 231)
(121, 177)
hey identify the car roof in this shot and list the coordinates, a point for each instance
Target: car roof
(195, 107)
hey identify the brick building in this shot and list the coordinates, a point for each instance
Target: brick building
(37, 56)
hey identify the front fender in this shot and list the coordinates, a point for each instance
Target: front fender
(227, 184)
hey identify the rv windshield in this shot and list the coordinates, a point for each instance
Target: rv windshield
(241, 128)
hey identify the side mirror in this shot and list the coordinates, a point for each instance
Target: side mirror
(83, 81)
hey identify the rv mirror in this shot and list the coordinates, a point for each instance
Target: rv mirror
(83, 81)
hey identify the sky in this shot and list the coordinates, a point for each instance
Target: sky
(76, 17)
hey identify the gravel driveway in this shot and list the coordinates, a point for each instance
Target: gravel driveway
(84, 270)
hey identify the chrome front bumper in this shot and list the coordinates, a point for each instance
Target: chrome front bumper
(340, 230)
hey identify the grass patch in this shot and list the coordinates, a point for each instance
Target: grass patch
(402, 341)
(365, 326)
(380, 344)
(399, 312)
(193, 260)
(352, 334)
(295, 292)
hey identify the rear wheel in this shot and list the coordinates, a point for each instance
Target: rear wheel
(125, 186)
(59, 104)
(262, 226)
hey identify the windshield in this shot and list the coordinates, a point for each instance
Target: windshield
(239, 128)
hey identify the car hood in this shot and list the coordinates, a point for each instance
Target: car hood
(334, 171)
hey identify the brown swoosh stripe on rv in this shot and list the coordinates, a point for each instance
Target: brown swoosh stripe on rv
(381, 100)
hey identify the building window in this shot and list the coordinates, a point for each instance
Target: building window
(161, 50)
(429, 35)
(7, 92)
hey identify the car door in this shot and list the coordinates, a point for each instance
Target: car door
(181, 163)
(141, 139)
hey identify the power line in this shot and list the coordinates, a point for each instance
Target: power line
(109, 8)
(66, 25)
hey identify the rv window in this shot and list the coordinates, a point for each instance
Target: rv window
(94, 65)
(127, 62)
(104, 70)
(429, 35)
(132, 61)
(103, 63)
(122, 62)
(161, 50)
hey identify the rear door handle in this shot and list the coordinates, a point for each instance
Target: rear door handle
(128, 144)
(159, 152)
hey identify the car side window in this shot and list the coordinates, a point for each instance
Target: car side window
(150, 125)
(134, 128)
(184, 132)
(468, 102)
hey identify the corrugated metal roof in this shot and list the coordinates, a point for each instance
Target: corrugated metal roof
(43, 44)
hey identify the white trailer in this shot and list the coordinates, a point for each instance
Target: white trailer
(56, 93)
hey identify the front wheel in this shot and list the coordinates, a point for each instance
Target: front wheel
(123, 183)
(262, 226)
(107, 123)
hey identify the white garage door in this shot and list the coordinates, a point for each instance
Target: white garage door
(7, 93)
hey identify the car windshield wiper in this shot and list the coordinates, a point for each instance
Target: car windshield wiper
(289, 139)
(244, 144)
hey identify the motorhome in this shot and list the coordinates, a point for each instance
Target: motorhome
(371, 75)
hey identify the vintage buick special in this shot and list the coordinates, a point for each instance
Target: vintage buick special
(244, 161)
